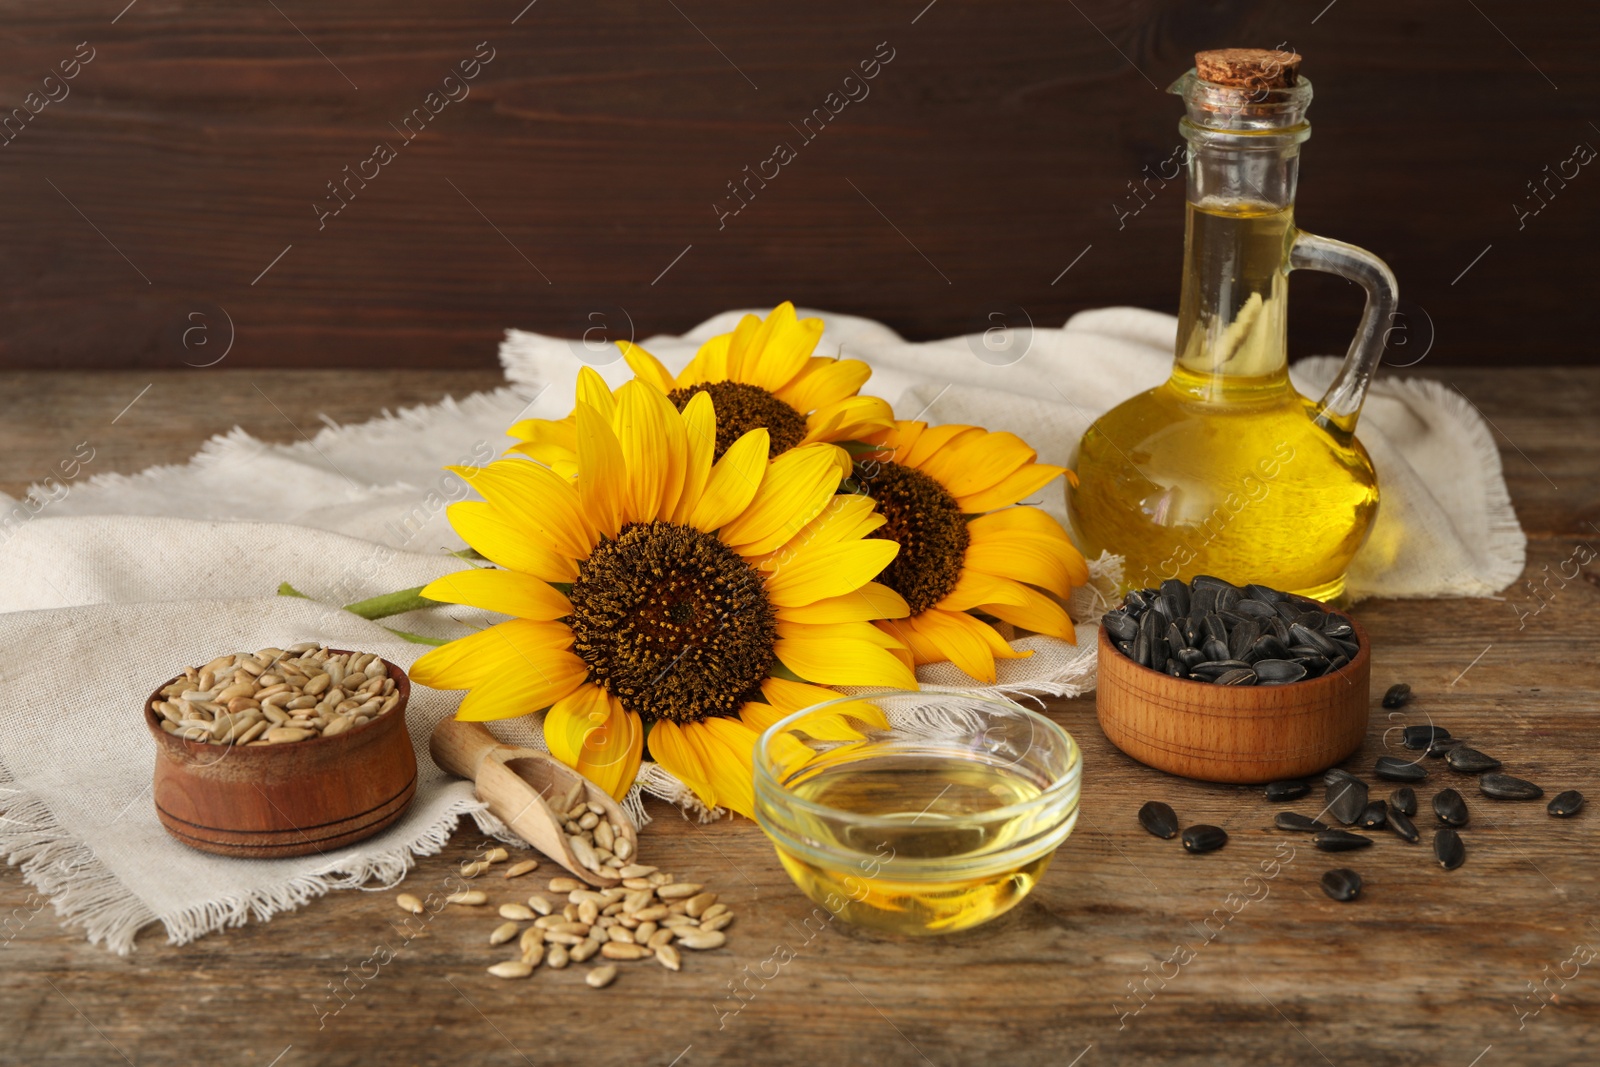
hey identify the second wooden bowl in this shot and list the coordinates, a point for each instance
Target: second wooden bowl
(1223, 733)
(271, 801)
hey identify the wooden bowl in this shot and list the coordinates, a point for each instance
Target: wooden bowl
(268, 801)
(1226, 733)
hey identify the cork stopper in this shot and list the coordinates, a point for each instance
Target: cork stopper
(1248, 68)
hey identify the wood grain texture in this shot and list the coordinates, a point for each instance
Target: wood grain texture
(1220, 733)
(174, 195)
(1226, 964)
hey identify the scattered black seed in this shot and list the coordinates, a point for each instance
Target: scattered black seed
(1290, 790)
(1293, 820)
(1442, 748)
(1448, 848)
(1340, 841)
(1401, 824)
(1204, 838)
(1225, 635)
(1420, 737)
(1565, 805)
(1505, 787)
(1470, 760)
(1342, 884)
(1450, 807)
(1375, 817)
(1159, 819)
(1345, 796)
(1397, 696)
(1404, 800)
(1395, 769)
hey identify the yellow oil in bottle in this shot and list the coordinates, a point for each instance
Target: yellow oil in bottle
(923, 865)
(1224, 469)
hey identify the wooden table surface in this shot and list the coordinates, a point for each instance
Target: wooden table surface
(1487, 965)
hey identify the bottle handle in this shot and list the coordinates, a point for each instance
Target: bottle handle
(1340, 406)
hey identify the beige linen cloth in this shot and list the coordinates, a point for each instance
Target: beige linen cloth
(108, 590)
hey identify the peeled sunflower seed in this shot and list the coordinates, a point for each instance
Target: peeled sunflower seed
(601, 976)
(511, 969)
(1342, 884)
(518, 912)
(1505, 787)
(516, 870)
(471, 897)
(502, 933)
(1159, 819)
(1565, 805)
(1398, 770)
(409, 902)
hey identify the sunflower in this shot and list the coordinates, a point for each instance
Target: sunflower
(761, 375)
(949, 495)
(661, 589)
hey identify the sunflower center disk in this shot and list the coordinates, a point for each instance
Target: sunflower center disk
(927, 522)
(672, 622)
(742, 407)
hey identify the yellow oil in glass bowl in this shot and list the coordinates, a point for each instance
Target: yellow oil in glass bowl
(937, 824)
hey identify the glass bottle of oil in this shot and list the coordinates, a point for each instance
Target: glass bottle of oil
(1226, 469)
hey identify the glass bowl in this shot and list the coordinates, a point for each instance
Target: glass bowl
(916, 812)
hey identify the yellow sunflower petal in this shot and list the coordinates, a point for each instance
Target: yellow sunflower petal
(506, 592)
(503, 647)
(1027, 557)
(647, 367)
(823, 381)
(534, 681)
(602, 479)
(858, 630)
(552, 436)
(848, 420)
(1013, 488)
(501, 539)
(641, 428)
(539, 500)
(710, 363)
(954, 633)
(787, 697)
(830, 571)
(796, 488)
(843, 662)
(1023, 519)
(976, 587)
(979, 463)
(728, 746)
(670, 748)
(562, 460)
(734, 481)
(871, 601)
(740, 345)
(1040, 614)
(848, 517)
(590, 732)
(778, 350)
(593, 390)
(700, 444)
(933, 439)
(898, 440)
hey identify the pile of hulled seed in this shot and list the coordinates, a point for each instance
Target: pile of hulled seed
(1345, 797)
(276, 695)
(1209, 630)
(651, 915)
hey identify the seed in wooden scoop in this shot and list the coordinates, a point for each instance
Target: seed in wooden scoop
(601, 976)
(636, 870)
(511, 969)
(409, 902)
(702, 940)
(1342, 884)
(1565, 805)
(1159, 819)
(518, 912)
(564, 885)
(503, 933)
(517, 870)
(1201, 838)
(623, 848)
(471, 897)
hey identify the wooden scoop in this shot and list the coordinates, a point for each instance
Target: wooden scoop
(523, 788)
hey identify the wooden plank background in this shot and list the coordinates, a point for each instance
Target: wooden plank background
(165, 196)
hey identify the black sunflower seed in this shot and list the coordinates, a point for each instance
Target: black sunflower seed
(1215, 649)
(1159, 819)
(1340, 841)
(1179, 592)
(1440, 749)
(1277, 671)
(1136, 602)
(1204, 838)
(1342, 884)
(1450, 808)
(1345, 796)
(1120, 625)
(1289, 790)
(1293, 820)
(1238, 676)
(1375, 817)
(1255, 609)
(1420, 737)
(1267, 646)
(1262, 594)
(1337, 626)
(1470, 760)
(1403, 800)
(1176, 638)
(1565, 805)
(1395, 769)
(1242, 638)
(1448, 849)
(1401, 824)
(1176, 668)
(1397, 696)
(1304, 634)
(1505, 787)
